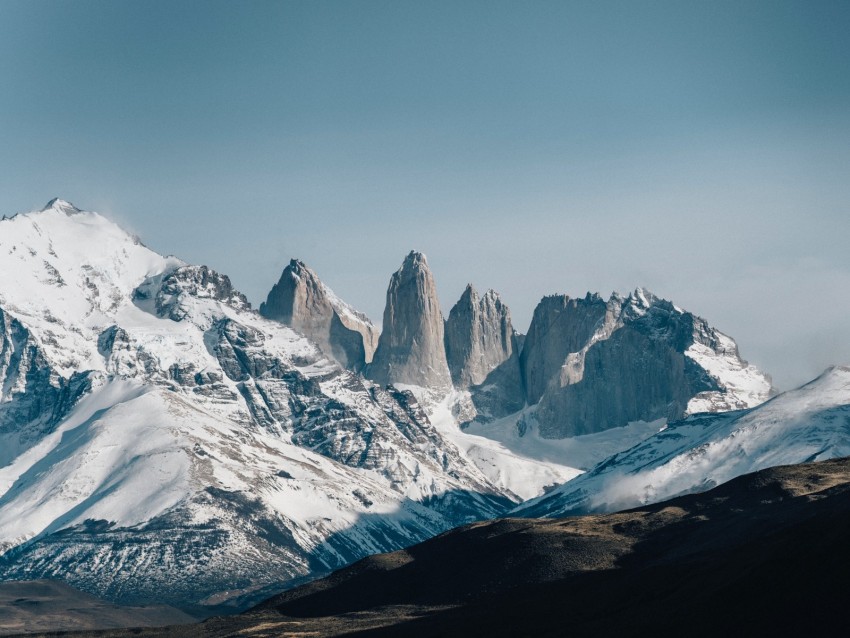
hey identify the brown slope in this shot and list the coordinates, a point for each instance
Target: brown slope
(40, 605)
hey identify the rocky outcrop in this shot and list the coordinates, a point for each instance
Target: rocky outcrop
(482, 353)
(303, 302)
(411, 349)
(641, 359)
(61, 206)
(479, 337)
(33, 396)
(560, 325)
(175, 293)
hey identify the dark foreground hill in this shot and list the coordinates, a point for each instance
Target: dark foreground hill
(765, 554)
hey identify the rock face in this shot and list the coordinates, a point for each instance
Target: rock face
(303, 302)
(33, 398)
(586, 365)
(411, 349)
(482, 354)
(591, 366)
(560, 325)
(176, 291)
(479, 337)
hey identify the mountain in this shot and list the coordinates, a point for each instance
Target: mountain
(807, 424)
(303, 302)
(161, 440)
(479, 337)
(589, 365)
(483, 354)
(585, 366)
(590, 378)
(559, 326)
(737, 559)
(411, 350)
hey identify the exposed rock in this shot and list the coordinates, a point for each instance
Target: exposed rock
(33, 396)
(810, 423)
(560, 325)
(122, 356)
(303, 302)
(479, 337)
(174, 293)
(482, 354)
(411, 349)
(61, 206)
(201, 451)
(642, 359)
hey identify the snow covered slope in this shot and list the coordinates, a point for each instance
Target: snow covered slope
(158, 438)
(811, 423)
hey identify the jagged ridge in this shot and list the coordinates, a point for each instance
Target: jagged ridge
(159, 438)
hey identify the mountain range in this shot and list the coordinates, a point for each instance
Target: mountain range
(161, 440)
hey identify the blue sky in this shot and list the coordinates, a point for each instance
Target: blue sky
(700, 149)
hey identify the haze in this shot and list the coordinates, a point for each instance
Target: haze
(698, 149)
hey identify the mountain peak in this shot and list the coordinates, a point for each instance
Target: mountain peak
(296, 265)
(643, 297)
(62, 206)
(415, 259)
(302, 301)
(469, 294)
(411, 348)
(479, 341)
(297, 269)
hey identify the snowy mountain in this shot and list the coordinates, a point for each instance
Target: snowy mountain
(811, 423)
(591, 377)
(159, 437)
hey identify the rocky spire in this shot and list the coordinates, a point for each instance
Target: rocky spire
(479, 337)
(411, 348)
(300, 300)
(483, 354)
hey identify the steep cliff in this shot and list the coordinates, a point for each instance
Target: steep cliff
(411, 348)
(560, 325)
(303, 302)
(638, 358)
(482, 353)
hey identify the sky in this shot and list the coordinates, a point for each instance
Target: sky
(698, 149)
